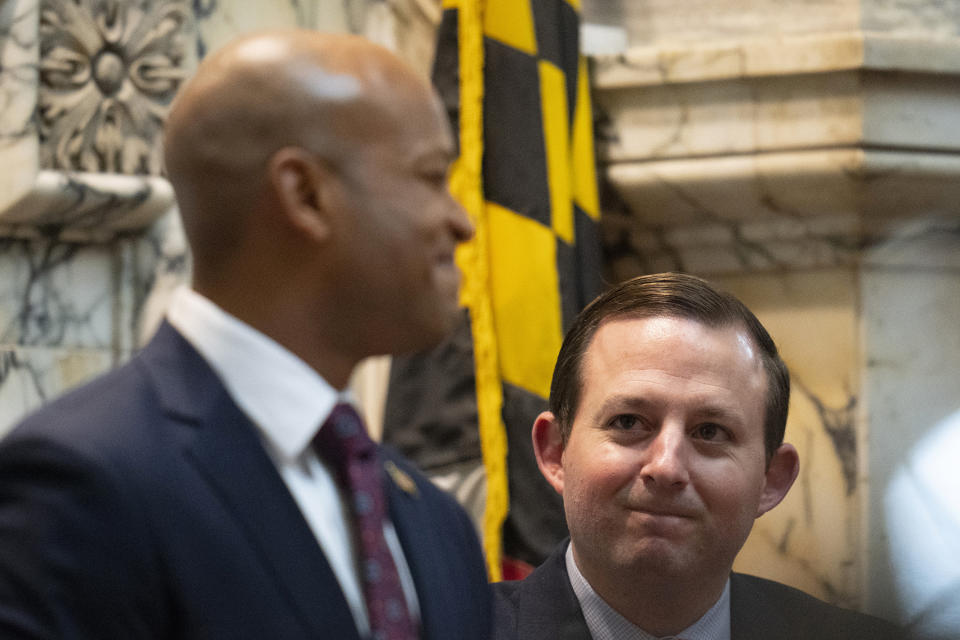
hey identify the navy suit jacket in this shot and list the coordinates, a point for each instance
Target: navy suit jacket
(145, 506)
(543, 606)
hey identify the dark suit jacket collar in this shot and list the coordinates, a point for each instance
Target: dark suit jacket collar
(226, 449)
(749, 618)
(545, 606)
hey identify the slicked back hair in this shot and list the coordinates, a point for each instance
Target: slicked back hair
(670, 295)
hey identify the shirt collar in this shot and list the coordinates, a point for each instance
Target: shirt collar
(607, 624)
(283, 396)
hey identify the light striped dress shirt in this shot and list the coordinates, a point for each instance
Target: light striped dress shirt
(606, 624)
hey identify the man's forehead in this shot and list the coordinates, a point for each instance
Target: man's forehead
(632, 360)
(619, 339)
(658, 325)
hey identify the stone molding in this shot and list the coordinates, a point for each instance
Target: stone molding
(776, 153)
(783, 55)
(88, 84)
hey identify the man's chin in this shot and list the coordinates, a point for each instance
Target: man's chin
(428, 335)
(661, 556)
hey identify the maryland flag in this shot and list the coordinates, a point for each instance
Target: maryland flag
(516, 89)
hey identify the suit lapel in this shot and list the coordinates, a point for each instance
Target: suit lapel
(228, 453)
(411, 522)
(751, 615)
(548, 608)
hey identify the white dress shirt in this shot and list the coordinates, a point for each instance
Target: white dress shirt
(288, 402)
(606, 624)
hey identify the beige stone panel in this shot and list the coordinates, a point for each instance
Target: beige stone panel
(737, 188)
(928, 18)
(765, 55)
(777, 113)
(651, 21)
(19, 147)
(733, 116)
(811, 540)
(754, 57)
(913, 111)
(235, 17)
(796, 186)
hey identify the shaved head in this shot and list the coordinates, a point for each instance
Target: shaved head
(311, 175)
(324, 93)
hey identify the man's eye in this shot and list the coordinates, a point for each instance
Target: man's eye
(438, 178)
(625, 422)
(711, 433)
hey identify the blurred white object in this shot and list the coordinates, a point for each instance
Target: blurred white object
(922, 509)
(602, 39)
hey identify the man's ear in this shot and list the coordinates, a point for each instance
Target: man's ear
(781, 472)
(548, 447)
(298, 179)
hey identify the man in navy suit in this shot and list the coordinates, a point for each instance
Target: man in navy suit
(665, 440)
(181, 495)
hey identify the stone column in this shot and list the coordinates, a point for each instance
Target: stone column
(805, 154)
(90, 243)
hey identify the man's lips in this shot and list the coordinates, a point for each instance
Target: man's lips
(445, 258)
(663, 512)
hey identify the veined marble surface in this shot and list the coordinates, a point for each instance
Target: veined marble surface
(69, 311)
(655, 21)
(705, 105)
(19, 145)
(404, 26)
(55, 295)
(87, 207)
(798, 210)
(773, 153)
(755, 56)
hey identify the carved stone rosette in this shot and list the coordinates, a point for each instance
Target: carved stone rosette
(108, 71)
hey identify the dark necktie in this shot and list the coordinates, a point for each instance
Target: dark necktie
(343, 442)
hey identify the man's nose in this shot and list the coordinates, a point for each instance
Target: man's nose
(459, 221)
(665, 463)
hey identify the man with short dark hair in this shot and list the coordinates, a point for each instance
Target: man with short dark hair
(221, 485)
(665, 440)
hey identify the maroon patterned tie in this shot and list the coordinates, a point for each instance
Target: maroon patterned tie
(343, 442)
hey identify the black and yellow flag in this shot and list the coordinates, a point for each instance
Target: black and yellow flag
(513, 81)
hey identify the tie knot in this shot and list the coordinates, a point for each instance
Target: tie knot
(343, 439)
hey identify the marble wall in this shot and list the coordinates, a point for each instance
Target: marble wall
(805, 155)
(90, 243)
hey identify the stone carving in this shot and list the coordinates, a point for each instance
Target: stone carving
(108, 71)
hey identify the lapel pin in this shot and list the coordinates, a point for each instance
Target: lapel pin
(401, 478)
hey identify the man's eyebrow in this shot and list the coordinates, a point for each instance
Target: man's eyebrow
(623, 402)
(436, 155)
(719, 412)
